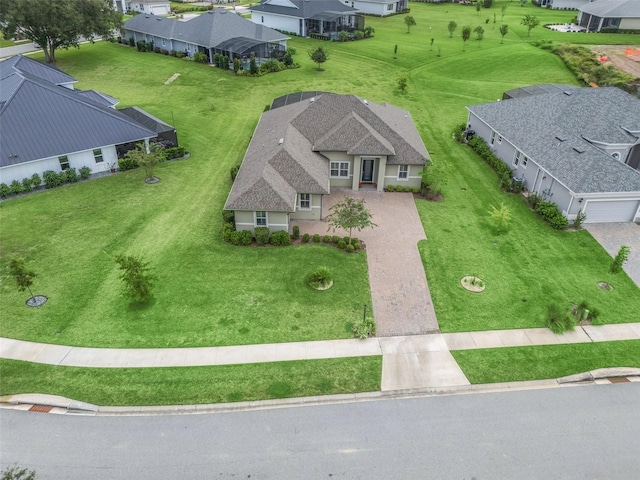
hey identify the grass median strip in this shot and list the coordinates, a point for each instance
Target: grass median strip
(194, 385)
(514, 364)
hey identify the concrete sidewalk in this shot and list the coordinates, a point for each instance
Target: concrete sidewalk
(408, 362)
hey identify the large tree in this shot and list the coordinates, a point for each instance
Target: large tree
(54, 24)
(348, 214)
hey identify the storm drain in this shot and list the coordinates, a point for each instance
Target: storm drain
(618, 379)
(40, 408)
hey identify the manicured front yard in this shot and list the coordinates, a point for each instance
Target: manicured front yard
(545, 361)
(210, 293)
(194, 385)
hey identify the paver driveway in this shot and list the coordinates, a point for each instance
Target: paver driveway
(401, 300)
(612, 236)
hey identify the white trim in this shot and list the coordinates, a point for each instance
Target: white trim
(266, 218)
(277, 225)
(403, 179)
(245, 223)
(340, 164)
(300, 207)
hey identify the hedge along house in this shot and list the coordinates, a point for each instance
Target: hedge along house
(323, 18)
(301, 150)
(48, 125)
(216, 31)
(578, 148)
(610, 15)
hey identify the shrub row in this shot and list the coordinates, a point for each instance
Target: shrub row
(402, 188)
(505, 173)
(342, 243)
(243, 237)
(548, 210)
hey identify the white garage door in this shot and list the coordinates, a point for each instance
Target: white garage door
(613, 211)
(159, 10)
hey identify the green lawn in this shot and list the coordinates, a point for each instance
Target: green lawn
(514, 364)
(210, 293)
(194, 385)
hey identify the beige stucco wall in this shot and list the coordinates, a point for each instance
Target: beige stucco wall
(630, 24)
(413, 180)
(245, 220)
(314, 214)
(340, 157)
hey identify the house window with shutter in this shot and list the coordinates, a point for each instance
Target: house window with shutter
(64, 162)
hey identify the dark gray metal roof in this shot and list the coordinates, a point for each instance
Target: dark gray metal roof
(98, 97)
(284, 157)
(210, 30)
(553, 129)
(305, 8)
(42, 120)
(26, 65)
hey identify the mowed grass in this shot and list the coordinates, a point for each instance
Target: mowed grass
(210, 293)
(545, 361)
(194, 385)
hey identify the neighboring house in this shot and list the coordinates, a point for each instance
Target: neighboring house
(578, 148)
(216, 31)
(610, 14)
(47, 125)
(563, 4)
(301, 150)
(381, 8)
(152, 7)
(307, 17)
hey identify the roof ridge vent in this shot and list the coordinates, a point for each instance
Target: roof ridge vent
(568, 92)
(365, 102)
(281, 141)
(579, 149)
(312, 99)
(562, 138)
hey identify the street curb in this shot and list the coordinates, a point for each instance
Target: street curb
(601, 373)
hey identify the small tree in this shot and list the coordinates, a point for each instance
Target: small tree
(23, 276)
(409, 21)
(619, 260)
(452, 28)
(253, 65)
(531, 22)
(14, 472)
(479, 31)
(503, 10)
(319, 56)
(504, 29)
(478, 7)
(137, 278)
(395, 52)
(501, 218)
(348, 214)
(466, 34)
(147, 160)
(402, 84)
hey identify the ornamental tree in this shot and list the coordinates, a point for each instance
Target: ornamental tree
(23, 276)
(137, 278)
(319, 55)
(531, 22)
(409, 21)
(348, 214)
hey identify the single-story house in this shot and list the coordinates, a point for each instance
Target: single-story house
(381, 8)
(216, 31)
(616, 14)
(165, 133)
(307, 17)
(48, 125)
(562, 4)
(151, 7)
(301, 150)
(578, 148)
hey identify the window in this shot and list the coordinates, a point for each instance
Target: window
(524, 161)
(305, 201)
(403, 172)
(261, 219)
(520, 159)
(516, 159)
(164, 42)
(262, 19)
(499, 138)
(390, 6)
(64, 162)
(493, 137)
(97, 154)
(340, 169)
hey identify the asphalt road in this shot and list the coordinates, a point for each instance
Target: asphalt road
(586, 432)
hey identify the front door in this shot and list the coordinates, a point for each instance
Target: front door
(367, 170)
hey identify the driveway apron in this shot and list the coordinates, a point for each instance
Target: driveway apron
(612, 236)
(401, 299)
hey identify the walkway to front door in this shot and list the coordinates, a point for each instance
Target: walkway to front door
(401, 300)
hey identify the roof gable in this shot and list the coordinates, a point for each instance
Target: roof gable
(303, 8)
(613, 8)
(26, 65)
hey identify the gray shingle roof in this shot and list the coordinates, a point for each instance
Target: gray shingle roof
(613, 8)
(283, 157)
(207, 30)
(40, 120)
(536, 124)
(305, 8)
